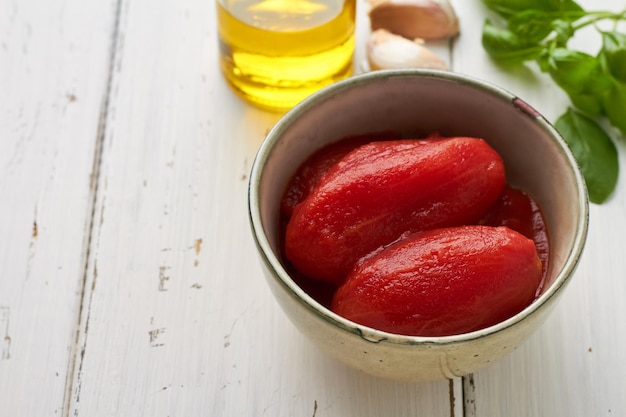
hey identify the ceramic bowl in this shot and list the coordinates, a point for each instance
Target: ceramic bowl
(536, 158)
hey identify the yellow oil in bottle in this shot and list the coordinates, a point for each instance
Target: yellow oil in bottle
(274, 53)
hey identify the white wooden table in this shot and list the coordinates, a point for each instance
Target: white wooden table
(129, 282)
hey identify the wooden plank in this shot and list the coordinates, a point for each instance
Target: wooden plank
(53, 77)
(573, 366)
(177, 317)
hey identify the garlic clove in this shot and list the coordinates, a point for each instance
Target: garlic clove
(426, 19)
(387, 51)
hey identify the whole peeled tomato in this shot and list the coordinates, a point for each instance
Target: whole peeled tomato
(382, 190)
(442, 282)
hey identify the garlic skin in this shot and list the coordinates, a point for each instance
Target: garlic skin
(425, 19)
(388, 51)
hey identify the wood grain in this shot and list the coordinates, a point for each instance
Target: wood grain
(129, 281)
(573, 366)
(178, 319)
(54, 59)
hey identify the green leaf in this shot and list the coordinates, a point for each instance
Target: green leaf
(581, 76)
(613, 53)
(594, 151)
(531, 25)
(535, 25)
(505, 47)
(615, 106)
(563, 30)
(508, 8)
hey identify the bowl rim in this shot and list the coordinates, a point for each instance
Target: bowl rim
(274, 265)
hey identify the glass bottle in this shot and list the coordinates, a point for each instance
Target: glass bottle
(274, 53)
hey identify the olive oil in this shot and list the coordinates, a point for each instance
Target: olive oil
(274, 53)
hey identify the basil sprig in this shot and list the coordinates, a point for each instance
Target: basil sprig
(539, 31)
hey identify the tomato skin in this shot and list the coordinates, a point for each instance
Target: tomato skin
(382, 190)
(313, 169)
(442, 282)
(518, 211)
(309, 174)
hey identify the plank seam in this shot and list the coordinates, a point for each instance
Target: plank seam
(76, 357)
(469, 396)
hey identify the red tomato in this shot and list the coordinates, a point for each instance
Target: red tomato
(382, 190)
(442, 282)
(311, 171)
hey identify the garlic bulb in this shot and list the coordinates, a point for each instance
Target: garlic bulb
(386, 51)
(425, 19)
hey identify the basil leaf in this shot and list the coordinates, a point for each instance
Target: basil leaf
(594, 151)
(536, 25)
(615, 106)
(531, 25)
(508, 8)
(588, 103)
(581, 76)
(563, 30)
(613, 53)
(504, 46)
